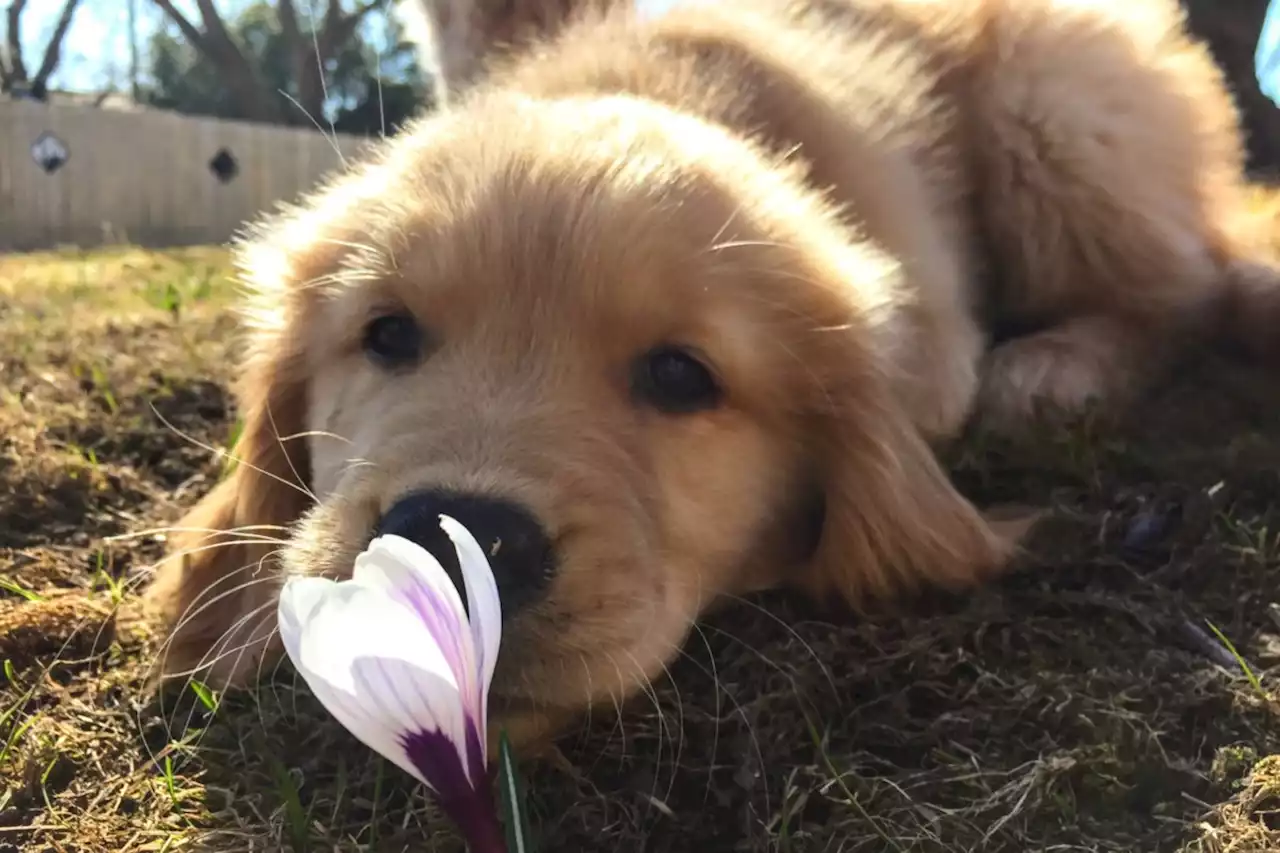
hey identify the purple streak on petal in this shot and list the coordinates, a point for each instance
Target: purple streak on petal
(441, 624)
(438, 618)
(470, 728)
(409, 716)
(471, 808)
(354, 709)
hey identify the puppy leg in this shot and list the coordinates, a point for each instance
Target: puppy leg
(1109, 173)
(1064, 370)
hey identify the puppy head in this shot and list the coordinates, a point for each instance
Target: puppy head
(630, 352)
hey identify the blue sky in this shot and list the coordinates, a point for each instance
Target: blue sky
(1267, 54)
(97, 47)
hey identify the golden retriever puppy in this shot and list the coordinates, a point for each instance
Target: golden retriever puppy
(673, 309)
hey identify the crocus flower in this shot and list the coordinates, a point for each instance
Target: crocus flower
(393, 656)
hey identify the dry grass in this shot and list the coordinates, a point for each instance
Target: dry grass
(1084, 703)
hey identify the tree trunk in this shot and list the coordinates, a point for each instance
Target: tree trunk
(308, 56)
(303, 63)
(16, 73)
(253, 99)
(53, 52)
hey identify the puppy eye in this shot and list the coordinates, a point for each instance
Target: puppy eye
(674, 381)
(393, 340)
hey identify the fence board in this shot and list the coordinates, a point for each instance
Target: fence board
(144, 177)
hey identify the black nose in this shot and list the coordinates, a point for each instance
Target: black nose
(518, 548)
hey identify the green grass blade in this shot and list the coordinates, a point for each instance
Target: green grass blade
(19, 590)
(230, 460)
(205, 695)
(1254, 681)
(515, 819)
(297, 818)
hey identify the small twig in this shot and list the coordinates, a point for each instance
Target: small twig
(1185, 630)
(1197, 639)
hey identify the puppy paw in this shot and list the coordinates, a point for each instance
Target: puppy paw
(1056, 375)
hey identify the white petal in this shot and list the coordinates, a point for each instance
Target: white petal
(346, 639)
(298, 601)
(392, 562)
(411, 574)
(482, 598)
(372, 731)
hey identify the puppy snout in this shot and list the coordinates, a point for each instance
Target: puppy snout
(518, 547)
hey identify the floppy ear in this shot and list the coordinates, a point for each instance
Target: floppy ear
(893, 521)
(216, 590)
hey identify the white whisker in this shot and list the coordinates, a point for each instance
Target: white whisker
(230, 454)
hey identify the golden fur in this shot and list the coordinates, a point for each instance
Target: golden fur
(834, 201)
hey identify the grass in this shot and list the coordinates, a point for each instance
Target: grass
(1116, 692)
(1249, 674)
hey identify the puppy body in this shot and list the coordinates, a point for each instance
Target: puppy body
(1068, 168)
(830, 203)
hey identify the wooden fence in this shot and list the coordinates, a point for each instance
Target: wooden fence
(88, 176)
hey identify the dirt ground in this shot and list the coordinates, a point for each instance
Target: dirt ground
(1114, 693)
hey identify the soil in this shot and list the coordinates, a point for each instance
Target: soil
(1115, 692)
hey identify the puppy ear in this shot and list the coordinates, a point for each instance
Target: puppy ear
(216, 590)
(893, 521)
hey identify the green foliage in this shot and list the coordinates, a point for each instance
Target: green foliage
(373, 82)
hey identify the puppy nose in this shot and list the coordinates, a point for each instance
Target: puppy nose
(518, 548)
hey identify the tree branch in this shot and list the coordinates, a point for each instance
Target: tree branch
(339, 28)
(17, 68)
(309, 55)
(303, 66)
(371, 6)
(288, 16)
(189, 31)
(255, 101)
(362, 11)
(53, 50)
(217, 30)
